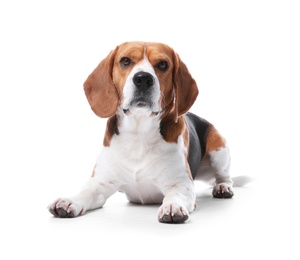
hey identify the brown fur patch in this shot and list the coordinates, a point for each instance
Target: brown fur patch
(111, 129)
(186, 140)
(214, 140)
(93, 174)
(170, 130)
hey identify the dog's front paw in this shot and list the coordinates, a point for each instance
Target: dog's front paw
(65, 208)
(222, 190)
(172, 213)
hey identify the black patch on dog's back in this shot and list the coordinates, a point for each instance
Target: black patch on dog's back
(198, 130)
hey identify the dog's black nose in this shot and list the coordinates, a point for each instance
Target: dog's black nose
(143, 80)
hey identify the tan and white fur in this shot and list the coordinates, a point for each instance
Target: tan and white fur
(145, 91)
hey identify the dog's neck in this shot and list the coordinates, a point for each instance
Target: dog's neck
(143, 125)
(139, 124)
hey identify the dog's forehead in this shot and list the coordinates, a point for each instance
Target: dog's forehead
(138, 50)
(132, 49)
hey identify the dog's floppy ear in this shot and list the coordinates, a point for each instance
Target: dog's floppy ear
(100, 90)
(185, 87)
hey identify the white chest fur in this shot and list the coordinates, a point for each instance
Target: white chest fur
(138, 158)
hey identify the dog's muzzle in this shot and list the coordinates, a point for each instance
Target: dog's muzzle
(143, 82)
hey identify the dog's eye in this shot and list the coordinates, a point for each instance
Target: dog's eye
(162, 65)
(125, 62)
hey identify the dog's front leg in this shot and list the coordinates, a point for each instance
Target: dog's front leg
(92, 196)
(179, 200)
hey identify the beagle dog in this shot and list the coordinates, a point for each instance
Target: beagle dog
(153, 148)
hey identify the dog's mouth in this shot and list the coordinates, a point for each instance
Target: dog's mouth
(141, 102)
(128, 112)
(140, 105)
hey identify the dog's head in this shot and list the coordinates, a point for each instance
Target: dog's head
(140, 77)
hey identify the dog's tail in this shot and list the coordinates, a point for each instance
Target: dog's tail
(240, 181)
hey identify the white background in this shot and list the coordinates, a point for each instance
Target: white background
(245, 57)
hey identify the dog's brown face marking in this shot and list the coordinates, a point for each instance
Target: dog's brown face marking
(160, 57)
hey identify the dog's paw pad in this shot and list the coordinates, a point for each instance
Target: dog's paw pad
(64, 208)
(172, 213)
(223, 190)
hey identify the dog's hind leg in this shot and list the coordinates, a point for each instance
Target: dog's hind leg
(220, 164)
(219, 158)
